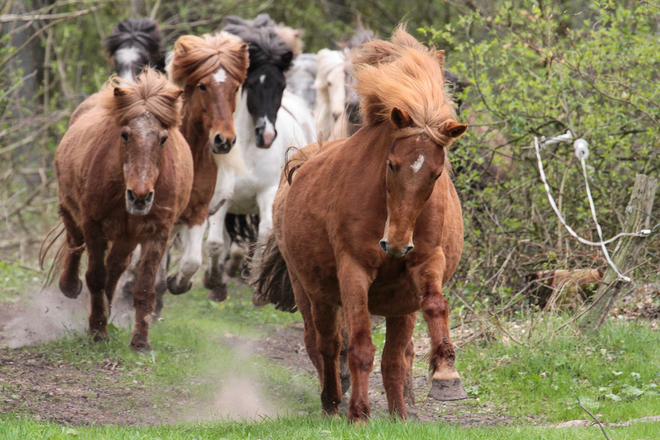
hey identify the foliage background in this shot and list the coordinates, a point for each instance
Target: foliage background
(536, 68)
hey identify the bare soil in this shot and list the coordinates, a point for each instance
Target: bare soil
(49, 388)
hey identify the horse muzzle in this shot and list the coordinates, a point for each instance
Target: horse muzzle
(396, 251)
(265, 133)
(222, 145)
(139, 204)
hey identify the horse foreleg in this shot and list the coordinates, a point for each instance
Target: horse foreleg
(354, 284)
(192, 237)
(265, 202)
(70, 284)
(161, 283)
(144, 294)
(446, 382)
(399, 330)
(218, 246)
(95, 277)
(408, 392)
(116, 264)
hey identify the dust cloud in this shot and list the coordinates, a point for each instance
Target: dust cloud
(47, 315)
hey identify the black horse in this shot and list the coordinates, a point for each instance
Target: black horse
(135, 43)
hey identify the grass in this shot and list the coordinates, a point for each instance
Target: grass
(315, 428)
(615, 375)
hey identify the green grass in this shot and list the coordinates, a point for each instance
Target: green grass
(315, 428)
(16, 278)
(613, 374)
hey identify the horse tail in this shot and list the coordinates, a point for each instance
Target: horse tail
(270, 277)
(242, 228)
(50, 239)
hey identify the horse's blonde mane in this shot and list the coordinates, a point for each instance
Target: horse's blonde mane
(152, 92)
(404, 74)
(193, 58)
(292, 38)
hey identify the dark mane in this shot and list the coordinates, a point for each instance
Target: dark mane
(138, 32)
(265, 44)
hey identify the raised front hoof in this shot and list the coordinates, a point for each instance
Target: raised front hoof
(218, 295)
(447, 390)
(71, 289)
(175, 288)
(140, 344)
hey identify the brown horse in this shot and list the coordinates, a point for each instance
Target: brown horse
(124, 174)
(210, 69)
(372, 224)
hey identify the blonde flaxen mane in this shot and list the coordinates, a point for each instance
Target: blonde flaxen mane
(404, 74)
(152, 92)
(193, 58)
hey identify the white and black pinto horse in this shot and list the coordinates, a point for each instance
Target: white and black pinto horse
(269, 120)
(135, 43)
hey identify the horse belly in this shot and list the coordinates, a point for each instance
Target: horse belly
(393, 298)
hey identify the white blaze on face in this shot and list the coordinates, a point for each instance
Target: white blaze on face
(418, 164)
(220, 76)
(269, 132)
(125, 58)
(262, 79)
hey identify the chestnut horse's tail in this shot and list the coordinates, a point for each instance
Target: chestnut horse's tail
(270, 277)
(52, 236)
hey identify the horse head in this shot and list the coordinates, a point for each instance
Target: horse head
(145, 112)
(415, 163)
(134, 45)
(211, 70)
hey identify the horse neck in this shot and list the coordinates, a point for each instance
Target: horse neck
(368, 150)
(193, 130)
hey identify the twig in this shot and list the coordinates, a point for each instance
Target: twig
(595, 419)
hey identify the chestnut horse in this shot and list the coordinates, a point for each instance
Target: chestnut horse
(372, 224)
(124, 174)
(210, 69)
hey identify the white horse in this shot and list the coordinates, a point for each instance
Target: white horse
(301, 76)
(252, 189)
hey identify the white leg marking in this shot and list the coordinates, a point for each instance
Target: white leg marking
(192, 253)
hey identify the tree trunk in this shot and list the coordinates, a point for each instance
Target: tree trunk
(637, 218)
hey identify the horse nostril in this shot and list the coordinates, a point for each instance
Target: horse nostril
(233, 142)
(408, 249)
(383, 245)
(259, 131)
(130, 195)
(149, 198)
(218, 140)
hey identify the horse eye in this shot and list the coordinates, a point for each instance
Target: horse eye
(389, 164)
(163, 140)
(202, 87)
(124, 136)
(438, 176)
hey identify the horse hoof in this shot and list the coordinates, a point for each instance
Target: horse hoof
(71, 291)
(447, 389)
(174, 288)
(213, 280)
(218, 295)
(140, 344)
(99, 335)
(259, 300)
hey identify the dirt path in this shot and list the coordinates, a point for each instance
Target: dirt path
(48, 387)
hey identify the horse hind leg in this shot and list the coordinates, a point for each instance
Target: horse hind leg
(69, 283)
(395, 365)
(328, 342)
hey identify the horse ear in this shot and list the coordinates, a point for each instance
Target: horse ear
(453, 129)
(120, 92)
(400, 118)
(440, 56)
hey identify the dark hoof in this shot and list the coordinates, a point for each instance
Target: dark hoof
(140, 344)
(213, 279)
(71, 290)
(446, 390)
(259, 300)
(218, 295)
(99, 335)
(176, 289)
